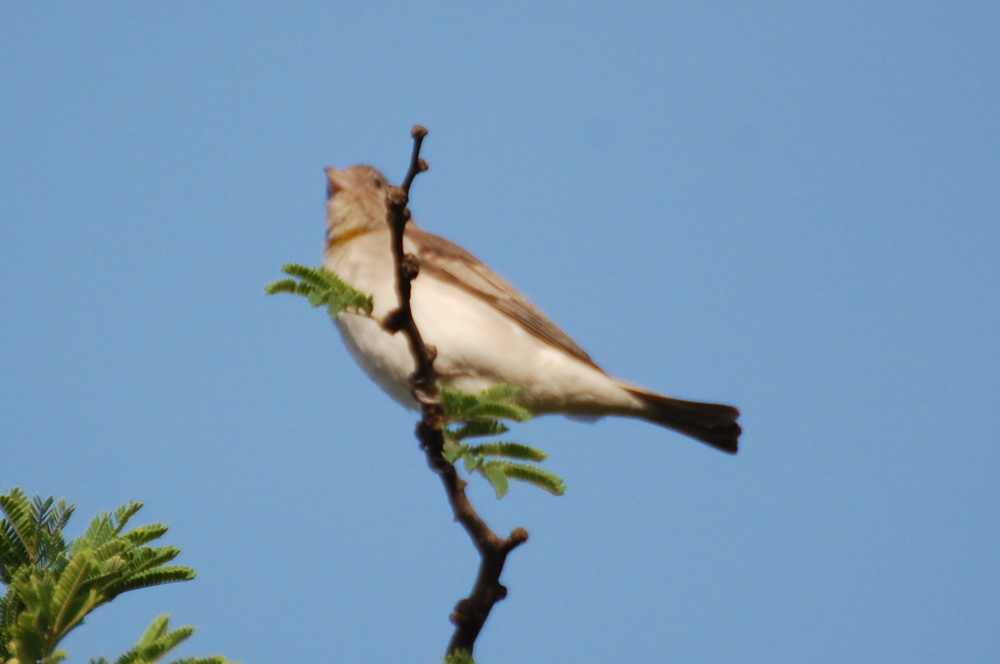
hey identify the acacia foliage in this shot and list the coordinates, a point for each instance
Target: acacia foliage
(51, 585)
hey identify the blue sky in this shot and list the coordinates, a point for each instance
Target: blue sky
(789, 207)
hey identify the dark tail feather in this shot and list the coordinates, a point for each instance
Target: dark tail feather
(710, 423)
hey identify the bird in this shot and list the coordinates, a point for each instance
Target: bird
(484, 330)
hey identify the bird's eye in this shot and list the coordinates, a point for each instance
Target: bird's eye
(378, 183)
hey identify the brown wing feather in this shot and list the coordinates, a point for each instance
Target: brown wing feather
(449, 262)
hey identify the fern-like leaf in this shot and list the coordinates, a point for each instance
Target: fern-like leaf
(530, 474)
(321, 287)
(30, 531)
(498, 392)
(314, 276)
(455, 403)
(156, 630)
(15, 534)
(472, 462)
(156, 642)
(476, 429)
(478, 415)
(508, 450)
(452, 451)
(498, 411)
(106, 527)
(154, 577)
(497, 477)
(72, 597)
(286, 286)
(145, 534)
(124, 514)
(490, 404)
(159, 640)
(52, 587)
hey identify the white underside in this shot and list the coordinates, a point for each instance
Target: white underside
(477, 345)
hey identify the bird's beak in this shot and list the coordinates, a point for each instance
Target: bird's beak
(336, 181)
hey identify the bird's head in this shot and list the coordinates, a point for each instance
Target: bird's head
(355, 202)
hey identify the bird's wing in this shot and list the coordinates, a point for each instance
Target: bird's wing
(450, 263)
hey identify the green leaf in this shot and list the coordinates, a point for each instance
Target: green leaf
(52, 587)
(530, 474)
(31, 531)
(497, 477)
(497, 411)
(321, 287)
(283, 286)
(472, 462)
(124, 514)
(492, 403)
(459, 657)
(154, 577)
(16, 533)
(106, 527)
(55, 658)
(509, 450)
(455, 402)
(452, 451)
(312, 276)
(480, 415)
(72, 598)
(145, 534)
(498, 392)
(476, 429)
(155, 643)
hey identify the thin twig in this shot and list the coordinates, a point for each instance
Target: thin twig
(470, 614)
(417, 165)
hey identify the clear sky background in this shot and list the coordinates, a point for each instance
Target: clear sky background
(790, 207)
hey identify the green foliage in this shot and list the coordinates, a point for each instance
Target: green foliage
(477, 415)
(31, 531)
(469, 415)
(493, 403)
(156, 642)
(51, 586)
(321, 287)
(459, 657)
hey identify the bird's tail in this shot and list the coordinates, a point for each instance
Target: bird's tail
(711, 423)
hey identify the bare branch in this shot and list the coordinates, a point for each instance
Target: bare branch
(470, 614)
(417, 165)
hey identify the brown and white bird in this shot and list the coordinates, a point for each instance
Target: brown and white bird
(484, 330)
